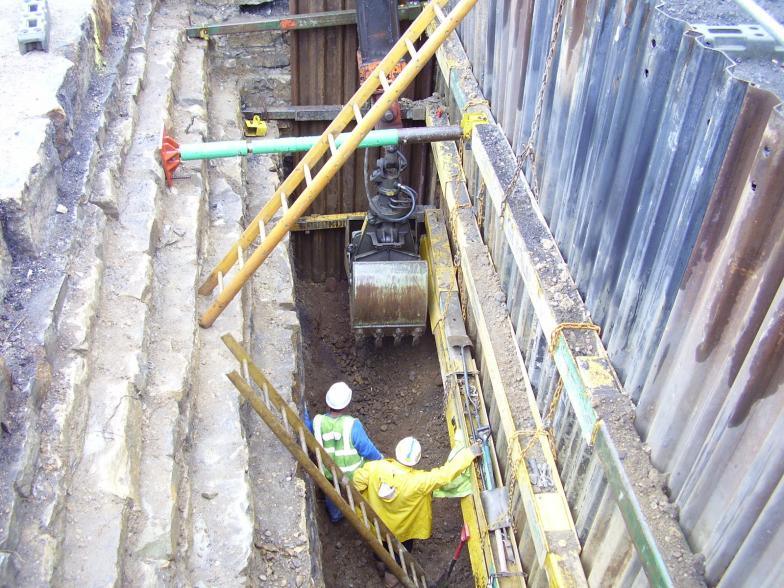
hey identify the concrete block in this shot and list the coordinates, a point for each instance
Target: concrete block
(33, 30)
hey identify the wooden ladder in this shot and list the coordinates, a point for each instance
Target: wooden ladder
(238, 256)
(292, 432)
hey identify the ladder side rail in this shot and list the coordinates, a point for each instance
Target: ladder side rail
(325, 459)
(331, 167)
(314, 155)
(326, 486)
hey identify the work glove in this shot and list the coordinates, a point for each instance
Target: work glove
(475, 449)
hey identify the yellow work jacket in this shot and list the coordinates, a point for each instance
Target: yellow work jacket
(408, 512)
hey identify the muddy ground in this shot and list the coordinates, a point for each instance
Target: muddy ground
(397, 392)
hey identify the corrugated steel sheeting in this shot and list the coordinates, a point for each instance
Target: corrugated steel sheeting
(324, 71)
(661, 178)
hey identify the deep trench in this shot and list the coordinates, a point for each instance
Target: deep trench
(397, 392)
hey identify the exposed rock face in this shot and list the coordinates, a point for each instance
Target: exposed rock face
(127, 456)
(5, 391)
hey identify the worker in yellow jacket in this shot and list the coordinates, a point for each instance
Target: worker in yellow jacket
(402, 496)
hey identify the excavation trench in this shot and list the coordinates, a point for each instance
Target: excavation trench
(397, 392)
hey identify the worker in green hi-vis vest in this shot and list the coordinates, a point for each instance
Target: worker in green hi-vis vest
(343, 437)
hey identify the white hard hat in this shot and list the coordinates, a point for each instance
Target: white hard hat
(338, 396)
(408, 451)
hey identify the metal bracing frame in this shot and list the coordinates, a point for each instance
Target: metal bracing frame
(590, 382)
(519, 431)
(293, 22)
(409, 110)
(443, 311)
(314, 184)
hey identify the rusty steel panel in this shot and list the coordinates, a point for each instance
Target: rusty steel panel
(660, 172)
(389, 295)
(323, 72)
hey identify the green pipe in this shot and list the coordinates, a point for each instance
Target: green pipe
(378, 138)
(218, 149)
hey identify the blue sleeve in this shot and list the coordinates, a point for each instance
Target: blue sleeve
(308, 422)
(362, 442)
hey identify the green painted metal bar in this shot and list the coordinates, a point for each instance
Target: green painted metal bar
(294, 22)
(379, 138)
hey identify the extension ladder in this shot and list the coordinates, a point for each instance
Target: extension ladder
(292, 432)
(237, 255)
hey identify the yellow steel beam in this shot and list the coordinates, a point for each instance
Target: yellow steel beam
(540, 506)
(316, 222)
(444, 309)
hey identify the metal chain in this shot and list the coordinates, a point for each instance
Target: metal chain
(529, 152)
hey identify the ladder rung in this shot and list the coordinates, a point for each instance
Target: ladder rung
(262, 229)
(241, 261)
(302, 442)
(364, 514)
(335, 480)
(383, 79)
(357, 113)
(308, 177)
(266, 394)
(245, 370)
(401, 552)
(284, 202)
(439, 13)
(319, 461)
(378, 532)
(285, 419)
(411, 49)
(220, 281)
(332, 147)
(350, 492)
(390, 546)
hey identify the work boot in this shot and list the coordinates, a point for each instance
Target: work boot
(390, 581)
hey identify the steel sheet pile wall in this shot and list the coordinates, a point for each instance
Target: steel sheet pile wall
(324, 72)
(660, 175)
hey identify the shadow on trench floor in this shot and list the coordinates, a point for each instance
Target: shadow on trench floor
(397, 392)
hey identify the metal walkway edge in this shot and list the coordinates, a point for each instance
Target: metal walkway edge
(338, 156)
(292, 432)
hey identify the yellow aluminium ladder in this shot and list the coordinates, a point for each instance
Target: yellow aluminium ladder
(229, 286)
(291, 431)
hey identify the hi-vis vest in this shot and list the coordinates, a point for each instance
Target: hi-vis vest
(334, 435)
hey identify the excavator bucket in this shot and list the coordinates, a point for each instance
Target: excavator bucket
(389, 298)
